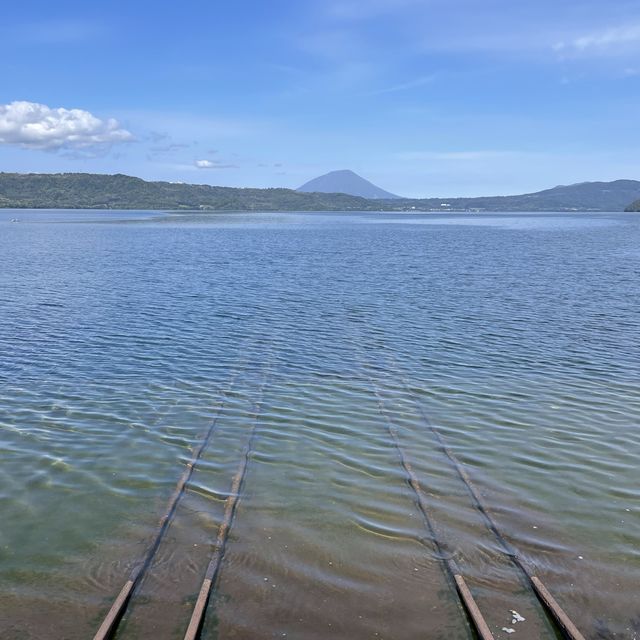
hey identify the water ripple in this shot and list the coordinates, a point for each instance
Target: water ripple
(122, 341)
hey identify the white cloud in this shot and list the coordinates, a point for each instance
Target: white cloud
(614, 39)
(213, 164)
(37, 126)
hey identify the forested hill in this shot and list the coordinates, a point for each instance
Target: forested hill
(97, 191)
(634, 206)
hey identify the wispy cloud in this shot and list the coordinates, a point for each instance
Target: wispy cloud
(191, 126)
(517, 41)
(169, 148)
(619, 39)
(36, 126)
(405, 86)
(163, 151)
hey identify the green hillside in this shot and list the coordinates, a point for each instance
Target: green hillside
(97, 191)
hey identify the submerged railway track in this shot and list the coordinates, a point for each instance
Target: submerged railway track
(441, 549)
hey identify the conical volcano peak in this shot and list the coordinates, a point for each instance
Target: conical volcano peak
(346, 181)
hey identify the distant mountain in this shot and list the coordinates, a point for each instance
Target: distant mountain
(611, 196)
(634, 206)
(98, 191)
(584, 196)
(346, 181)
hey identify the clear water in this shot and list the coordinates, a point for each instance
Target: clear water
(122, 334)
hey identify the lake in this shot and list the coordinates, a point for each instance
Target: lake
(310, 341)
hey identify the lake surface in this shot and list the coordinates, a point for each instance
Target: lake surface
(124, 335)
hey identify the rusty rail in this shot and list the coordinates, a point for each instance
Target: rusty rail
(213, 569)
(559, 616)
(451, 568)
(119, 606)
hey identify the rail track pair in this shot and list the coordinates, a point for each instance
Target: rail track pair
(119, 607)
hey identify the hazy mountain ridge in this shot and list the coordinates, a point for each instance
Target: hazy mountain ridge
(99, 191)
(584, 196)
(346, 181)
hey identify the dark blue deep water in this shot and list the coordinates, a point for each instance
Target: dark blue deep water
(123, 335)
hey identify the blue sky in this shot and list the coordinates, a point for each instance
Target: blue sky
(423, 97)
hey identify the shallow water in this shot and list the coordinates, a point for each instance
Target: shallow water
(124, 335)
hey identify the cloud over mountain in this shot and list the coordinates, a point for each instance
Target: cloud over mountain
(213, 164)
(37, 126)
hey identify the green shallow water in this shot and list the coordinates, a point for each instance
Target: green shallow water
(124, 335)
